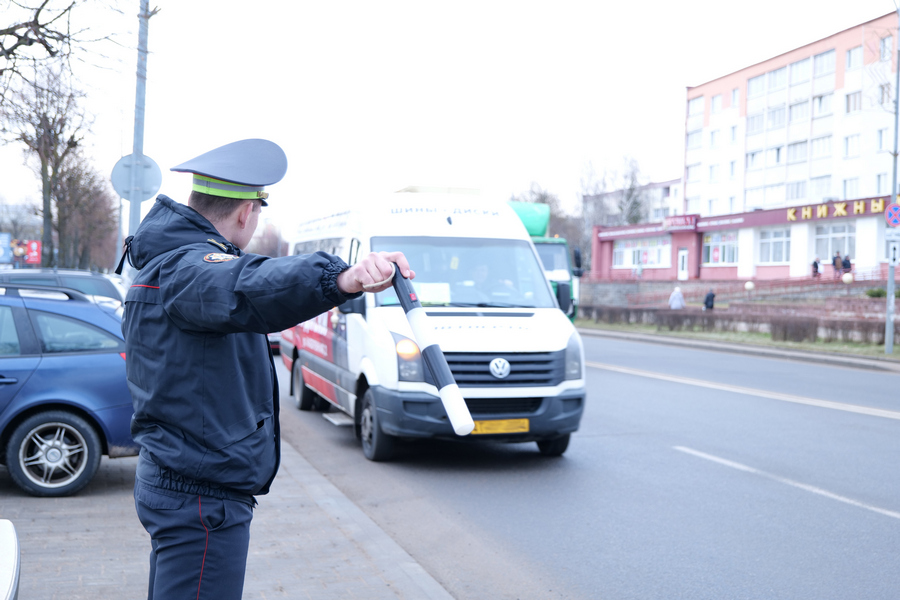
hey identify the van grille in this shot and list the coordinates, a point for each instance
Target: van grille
(503, 406)
(472, 369)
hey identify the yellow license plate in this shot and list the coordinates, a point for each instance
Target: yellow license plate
(501, 426)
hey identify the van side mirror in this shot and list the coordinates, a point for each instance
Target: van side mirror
(564, 296)
(576, 252)
(354, 306)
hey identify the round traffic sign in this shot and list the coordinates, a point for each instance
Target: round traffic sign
(151, 178)
(892, 215)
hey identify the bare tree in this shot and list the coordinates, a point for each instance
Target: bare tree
(21, 221)
(46, 118)
(631, 202)
(624, 204)
(86, 220)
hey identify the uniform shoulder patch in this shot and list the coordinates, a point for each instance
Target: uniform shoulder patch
(217, 257)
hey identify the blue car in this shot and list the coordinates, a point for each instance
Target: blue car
(64, 400)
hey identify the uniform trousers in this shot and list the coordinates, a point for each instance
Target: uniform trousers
(199, 543)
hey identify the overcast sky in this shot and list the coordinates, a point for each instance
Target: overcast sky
(371, 96)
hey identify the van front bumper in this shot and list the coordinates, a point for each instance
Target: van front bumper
(421, 415)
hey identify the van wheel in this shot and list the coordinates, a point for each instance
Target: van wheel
(304, 398)
(376, 444)
(554, 447)
(54, 453)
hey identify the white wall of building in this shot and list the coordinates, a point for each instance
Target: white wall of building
(747, 244)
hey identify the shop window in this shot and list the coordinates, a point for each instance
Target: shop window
(720, 248)
(835, 238)
(774, 246)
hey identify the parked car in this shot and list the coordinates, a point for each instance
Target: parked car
(86, 282)
(64, 400)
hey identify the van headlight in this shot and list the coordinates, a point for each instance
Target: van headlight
(409, 360)
(573, 357)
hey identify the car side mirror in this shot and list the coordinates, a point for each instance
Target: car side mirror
(576, 252)
(564, 296)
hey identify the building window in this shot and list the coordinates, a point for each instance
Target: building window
(774, 246)
(822, 105)
(720, 248)
(754, 159)
(647, 252)
(881, 183)
(854, 59)
(820, 147)
(777, 78)
(693, 139)
(775, 195)
(756, 86)
(735, 98)
(754, 124)
(887, 96)
(851, 146)
(882, 139)
(714, 138)
(695, 106)
(693, 205)
(886, 47)
(692, 173)
(823, 64)
(754, 198)
(835, 238)
(796, 152)
(820, 187)
(733, 134)
(776, 117)
(799, 111)
(732, 204)
(854, 102)
(775, 156)
(711, 203)
(800, 71)
(716, 105)
(732, 169)
(796, 190)
(713, 173)
(851, 188)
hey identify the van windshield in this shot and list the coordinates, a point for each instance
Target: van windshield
(470, 272)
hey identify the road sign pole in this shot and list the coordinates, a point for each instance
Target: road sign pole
(889, 309)
(137, 155)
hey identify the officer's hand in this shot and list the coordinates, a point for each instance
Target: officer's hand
(374, 268)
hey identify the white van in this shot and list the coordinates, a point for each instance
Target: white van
(516, 358)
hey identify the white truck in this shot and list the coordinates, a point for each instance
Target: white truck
(516, 358)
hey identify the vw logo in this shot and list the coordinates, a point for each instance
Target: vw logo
(499, 368)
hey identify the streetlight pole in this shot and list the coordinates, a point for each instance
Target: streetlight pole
(889, 309)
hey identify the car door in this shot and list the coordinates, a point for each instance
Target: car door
(19, 353)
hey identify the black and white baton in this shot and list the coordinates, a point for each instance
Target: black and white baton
(451, 397)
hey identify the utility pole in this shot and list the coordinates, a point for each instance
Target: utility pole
(889, 309)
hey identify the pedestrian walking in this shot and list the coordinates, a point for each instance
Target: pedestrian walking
(837, 265)
(676, 299)
(815, 268)
(709, 300)
(201, 374)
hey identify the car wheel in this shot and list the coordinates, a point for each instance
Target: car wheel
(554, 447)
(304, 398)
(376, 444)
(54, 453)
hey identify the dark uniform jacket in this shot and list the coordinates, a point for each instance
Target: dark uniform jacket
(199, 368)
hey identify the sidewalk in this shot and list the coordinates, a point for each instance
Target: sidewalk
(844, 360)
(307, 541)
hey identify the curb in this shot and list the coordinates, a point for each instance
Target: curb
(843, 360)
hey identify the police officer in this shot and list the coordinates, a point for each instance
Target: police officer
(199, 367)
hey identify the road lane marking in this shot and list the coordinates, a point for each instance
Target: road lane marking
(853, 408)
(808, 488)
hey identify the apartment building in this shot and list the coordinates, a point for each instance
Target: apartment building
(784, 161)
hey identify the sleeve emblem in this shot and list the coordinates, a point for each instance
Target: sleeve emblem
(217, 257)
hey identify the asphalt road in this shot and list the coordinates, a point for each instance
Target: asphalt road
(695, 474)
